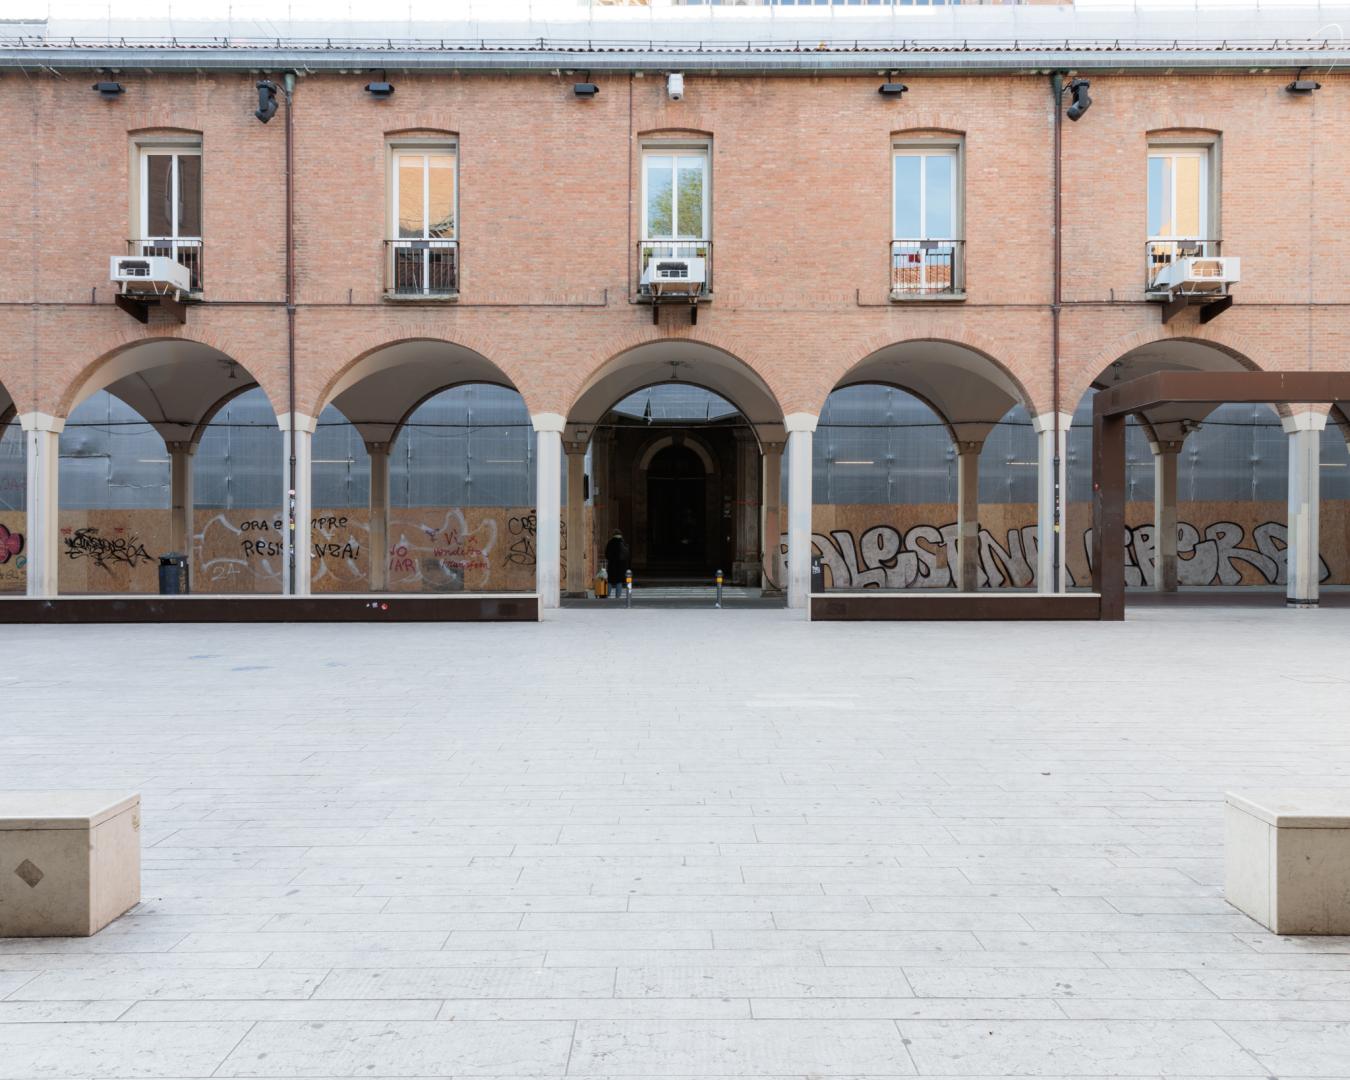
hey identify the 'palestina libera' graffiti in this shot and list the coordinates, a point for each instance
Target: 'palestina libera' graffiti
(884, 557)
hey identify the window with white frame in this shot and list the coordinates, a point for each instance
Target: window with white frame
(424, 210)
(675, 193)
(1180, 219)
(926, 220)
(169, 179)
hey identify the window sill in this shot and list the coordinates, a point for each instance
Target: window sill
(421, 298)
(928, 298)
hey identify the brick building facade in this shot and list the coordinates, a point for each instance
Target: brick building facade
(803, 192)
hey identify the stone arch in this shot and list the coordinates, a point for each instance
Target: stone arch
(431, 362)
(1234, 346)
(706, 360)
(955, 375)
(120, 360)
(693, 442)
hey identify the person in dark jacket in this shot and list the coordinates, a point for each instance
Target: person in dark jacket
(616, 562)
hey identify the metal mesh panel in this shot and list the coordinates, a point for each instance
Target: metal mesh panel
(340, 463)
(676, 401)
(13, 477)
(240, 463)
(470, 446)
(112, 459)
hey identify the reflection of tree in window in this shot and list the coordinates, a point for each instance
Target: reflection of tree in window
(679, 181)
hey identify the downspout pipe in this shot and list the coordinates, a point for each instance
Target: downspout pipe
(296, 533)
(1057, 95)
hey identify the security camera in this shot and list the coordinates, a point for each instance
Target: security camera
(675, 85)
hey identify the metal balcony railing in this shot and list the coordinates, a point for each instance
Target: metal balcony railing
(649, 250)
(927, 268)
(186, 252)
(1161, 254)
(425, 268)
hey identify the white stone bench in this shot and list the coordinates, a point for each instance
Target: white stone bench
(70, 861)
(1287, 859)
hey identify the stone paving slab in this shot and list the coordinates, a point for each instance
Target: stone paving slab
(681, 844)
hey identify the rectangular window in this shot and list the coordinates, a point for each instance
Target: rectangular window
(926, 222)
(1180, 212)
(424, 210)
(675, 194)
(170, 205)
(1178, 193)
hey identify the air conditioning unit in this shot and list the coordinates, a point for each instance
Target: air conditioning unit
(674, 276)
(1199, 275)
(150, 274)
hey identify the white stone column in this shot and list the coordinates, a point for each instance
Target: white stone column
(1048, 485)
(181, 530)
(378, 533)
(577, 540)
(800, 428)
(1305, 468)
(1165, 455)
(770, 518)
(42, 439)
(297, 506)
(548, 508)
(967, 569)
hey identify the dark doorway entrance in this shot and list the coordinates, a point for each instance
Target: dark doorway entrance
(677, 494)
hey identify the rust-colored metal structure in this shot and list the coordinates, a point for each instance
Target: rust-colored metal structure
(1114, 404)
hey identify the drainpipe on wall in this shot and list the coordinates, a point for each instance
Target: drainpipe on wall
(1057, 93)
(295, 533)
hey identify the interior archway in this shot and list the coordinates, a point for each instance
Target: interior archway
(644, 410)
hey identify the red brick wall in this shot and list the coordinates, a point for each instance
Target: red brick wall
(801, 181)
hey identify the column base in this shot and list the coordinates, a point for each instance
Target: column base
(1291, 602)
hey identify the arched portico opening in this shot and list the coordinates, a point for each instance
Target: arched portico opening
(116, 478)
(677, 445)
(900, 487)
(1216, 496)
(423, 476)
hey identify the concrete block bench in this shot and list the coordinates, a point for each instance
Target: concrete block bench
(70, 861)
(1287, 859)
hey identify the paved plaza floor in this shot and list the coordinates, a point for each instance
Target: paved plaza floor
(681, 844)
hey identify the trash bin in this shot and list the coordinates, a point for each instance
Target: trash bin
(173, 574)
(817, 575)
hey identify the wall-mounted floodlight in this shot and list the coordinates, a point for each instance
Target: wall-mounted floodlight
(892, 89)
(675, 85)
(1303, 86)
(585, 89)
(267, 100)
(108, 91)
(1081, 99)
(379, 89)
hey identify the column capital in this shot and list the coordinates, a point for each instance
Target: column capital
(1166, 446)
(548, 421)
(968, 448)
(1304, 421)
(189, 448)
(772, 447)
(40, 421)
(296, 422)
(800, 421)
(1046, 422)
(374, 448)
